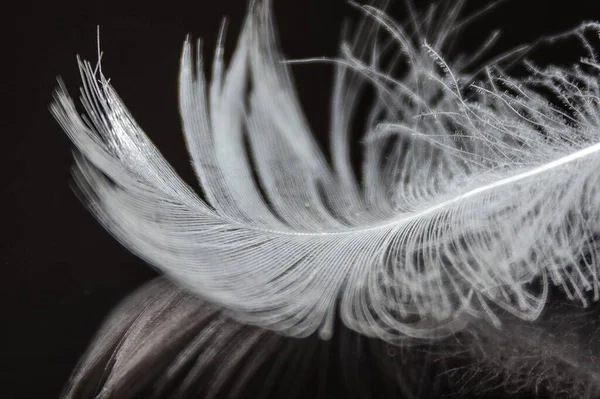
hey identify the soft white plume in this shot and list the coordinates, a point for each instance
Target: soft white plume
(475, 193)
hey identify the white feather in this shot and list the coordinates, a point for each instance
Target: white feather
(472, 198)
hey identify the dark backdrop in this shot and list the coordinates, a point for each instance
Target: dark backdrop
(62, 272)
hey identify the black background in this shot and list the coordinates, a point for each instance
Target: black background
(62, 272)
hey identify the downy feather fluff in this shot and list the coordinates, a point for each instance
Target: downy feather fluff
(474, 197)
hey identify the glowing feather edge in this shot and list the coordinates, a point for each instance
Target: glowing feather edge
(464, 201)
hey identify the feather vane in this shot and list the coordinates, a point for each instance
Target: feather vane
(474, 194)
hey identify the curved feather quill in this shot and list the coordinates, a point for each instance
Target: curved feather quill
(475, 193)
